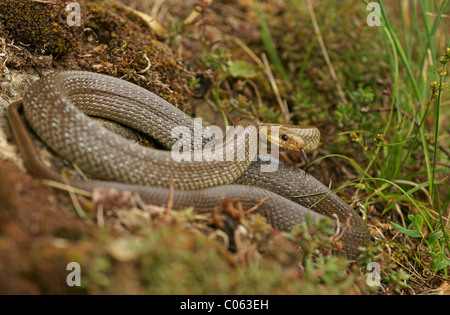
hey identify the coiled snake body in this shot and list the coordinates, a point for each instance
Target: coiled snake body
(54, 106)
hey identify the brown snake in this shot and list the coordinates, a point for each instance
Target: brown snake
(53, 107)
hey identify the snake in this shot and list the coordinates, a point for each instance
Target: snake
(57, 108)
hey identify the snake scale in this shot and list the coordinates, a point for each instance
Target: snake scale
(56, 107)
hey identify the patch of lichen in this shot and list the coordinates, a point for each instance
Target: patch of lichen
(42, 26)
(126, 49)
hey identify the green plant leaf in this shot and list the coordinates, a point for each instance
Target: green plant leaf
(441, 262)
(433, 237)
(241, 69)
(410, 233)
(417, 222)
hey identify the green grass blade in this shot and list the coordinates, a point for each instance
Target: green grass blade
(269, 44)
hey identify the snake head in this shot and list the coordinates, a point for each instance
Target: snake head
(282, 137)
(292, 138)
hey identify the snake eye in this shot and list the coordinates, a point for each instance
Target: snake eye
(284, 137)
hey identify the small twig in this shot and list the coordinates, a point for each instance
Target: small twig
(186, 88)
(259, 204)
(67, 188)
(445, 16)
(245, 48)
(46, 2)
(197, 10)
(239, 247)
(269, 74)
(141, 205)
(4, 54)
(14, 46)
(339, 234)
(76, 204)
(224, 236)
(100, 217)
(338, 223)
(62, 3)
(149, 64)
(388, 250)
(79, 171)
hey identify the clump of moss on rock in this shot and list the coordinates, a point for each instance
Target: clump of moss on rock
(125, 48)
(42, 26)
(110, 40)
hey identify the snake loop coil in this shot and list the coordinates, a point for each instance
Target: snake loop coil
(56, 108)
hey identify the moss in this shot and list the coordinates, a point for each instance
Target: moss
(122, 46)
(127, 47)
(49, 266)
(42, 26)
(169, 259)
